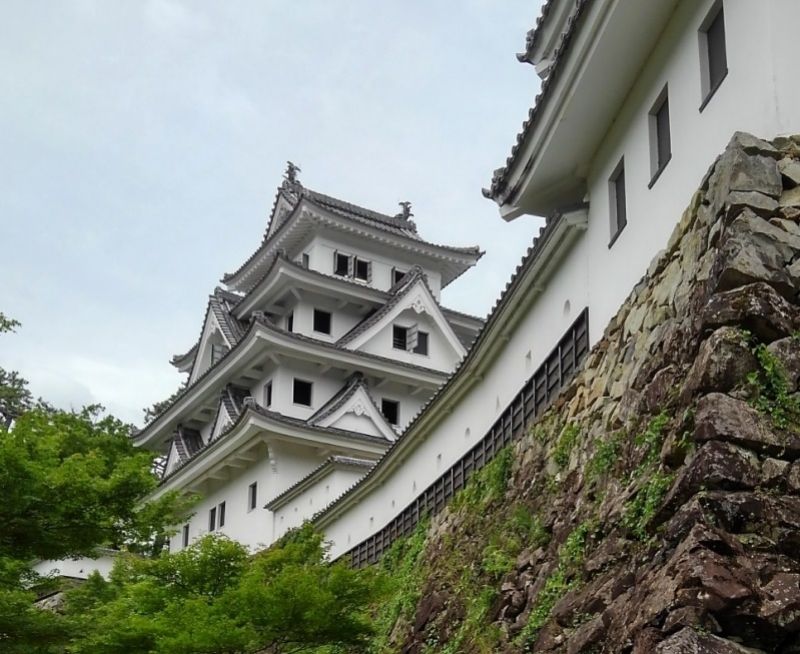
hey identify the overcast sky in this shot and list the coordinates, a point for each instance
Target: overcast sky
(141, 144)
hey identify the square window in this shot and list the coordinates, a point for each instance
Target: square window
(185, 537)
(341, 264)
(252, 496)
(306, 260)
(268, 394)
(422, 343)
(397, 276)
(362, 270)
(302, 392)
(290, 322)
(713, 53)
(660, 137)
(218, 351)
(322, 321)
(391, 411)
(399, 337)
(212, 518)
(221, 514)
(619, 211)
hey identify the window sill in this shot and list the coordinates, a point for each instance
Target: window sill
(713, 91)
(616, 236)
(657, 174)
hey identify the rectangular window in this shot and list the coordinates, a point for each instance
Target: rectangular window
(399, 337)
(619, 211)
(290, 322)
(391, 411)
(397, 276)
(185, 537)
(660, 137)
(322, 321)
(217, 352)
(252, 496)
(713, 53)
(302, 392)
(306, 260)
(268, 394)
(422, 343)
(362, 270)
(221, 514)
(341, 264)
(212, 518)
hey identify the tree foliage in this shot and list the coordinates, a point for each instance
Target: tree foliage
(213, 598)
(71, 481)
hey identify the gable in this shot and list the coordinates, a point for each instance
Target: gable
(357, 412)
(212, 346)
(415, 310)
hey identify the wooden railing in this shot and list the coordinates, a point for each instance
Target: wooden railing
(531, 401)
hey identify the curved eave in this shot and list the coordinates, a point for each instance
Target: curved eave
(598, 60)
(260, 340)
(522, 291)
(256, 426)
(283, 273)
(314, 477)
(457, 260)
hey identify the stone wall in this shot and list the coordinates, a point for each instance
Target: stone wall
(662, 490)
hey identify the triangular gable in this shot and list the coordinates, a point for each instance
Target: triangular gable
(416, 297)
(212, 337)
(354, 409)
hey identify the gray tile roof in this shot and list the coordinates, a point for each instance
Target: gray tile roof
(319, 471)
(396, 293)
(266, 324)
(533, 35)
(203, 449)
(339, 399)
(498, 189)
(220, 303)
(393, 224)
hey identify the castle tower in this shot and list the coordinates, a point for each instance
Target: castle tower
(324, 344)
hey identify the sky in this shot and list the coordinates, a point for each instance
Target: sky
(141, 144)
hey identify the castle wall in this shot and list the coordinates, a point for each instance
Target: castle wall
(757, 96)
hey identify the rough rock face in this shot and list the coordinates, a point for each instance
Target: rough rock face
(666, 479)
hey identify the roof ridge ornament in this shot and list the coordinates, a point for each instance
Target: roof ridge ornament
(290, 179)
(405, 214)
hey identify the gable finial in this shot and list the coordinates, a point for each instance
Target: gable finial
(405, 214)
(291, 173)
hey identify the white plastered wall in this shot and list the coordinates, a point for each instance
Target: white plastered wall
(759, 95)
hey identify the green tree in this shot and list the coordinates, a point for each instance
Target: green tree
(213, 598)
(71, 481)
(15, 398)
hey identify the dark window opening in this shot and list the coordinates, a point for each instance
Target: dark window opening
(217, 352)
(302, 392)
(268, 394)
(660, 137)
(221, 514)
(399, 337)
(252, 496)
(422, 343)
(322, 321)
(306, 260)
(212, 519)
(186, 535)
(391, 411)
(341, 264)
(362, 270)
(619, 212)
(715, 55)
(290, 322)
(397, 276)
